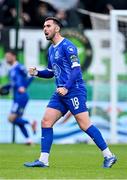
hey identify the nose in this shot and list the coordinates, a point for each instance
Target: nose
(45, 30)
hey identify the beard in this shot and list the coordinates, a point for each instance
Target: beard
(50, 37)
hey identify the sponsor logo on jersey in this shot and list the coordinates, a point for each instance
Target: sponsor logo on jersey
(56, 70)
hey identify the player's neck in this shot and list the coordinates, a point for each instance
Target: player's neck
(57, 38)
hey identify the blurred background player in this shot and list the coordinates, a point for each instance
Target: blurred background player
(19, 82)
(71, 94)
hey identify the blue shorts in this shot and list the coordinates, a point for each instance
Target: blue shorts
(73, 102)
(18, 107)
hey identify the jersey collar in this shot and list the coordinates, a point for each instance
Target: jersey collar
(58, 43)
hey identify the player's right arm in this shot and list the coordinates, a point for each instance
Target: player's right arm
(46, 73)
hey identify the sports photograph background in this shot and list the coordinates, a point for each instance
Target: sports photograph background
(99, 30)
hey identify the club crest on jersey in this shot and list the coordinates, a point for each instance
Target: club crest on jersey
(70, 49)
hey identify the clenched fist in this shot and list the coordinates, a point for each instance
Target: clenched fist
(33, 71)
(62, 91)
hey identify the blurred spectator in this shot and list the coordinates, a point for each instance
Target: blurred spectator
(43, 10)
(66, 12)
(28, 9)
(1, 13)
(74, 20)
(33, 12)
(7, 13)
(62, 15)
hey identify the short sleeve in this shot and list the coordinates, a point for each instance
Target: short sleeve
(72, 55)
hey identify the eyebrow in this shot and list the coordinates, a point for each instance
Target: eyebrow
(46, 25)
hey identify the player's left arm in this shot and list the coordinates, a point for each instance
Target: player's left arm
(72, 56)
(71, 80)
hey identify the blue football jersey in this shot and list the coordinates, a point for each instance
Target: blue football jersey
(18, 78)
(62, 58)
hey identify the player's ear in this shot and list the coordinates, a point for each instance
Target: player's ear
(57, 28)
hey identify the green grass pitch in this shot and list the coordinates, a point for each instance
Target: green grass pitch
(77, 161)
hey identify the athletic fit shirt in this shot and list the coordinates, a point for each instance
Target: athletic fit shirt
(62, 58)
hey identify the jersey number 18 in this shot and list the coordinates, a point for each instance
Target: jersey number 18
(75, 102)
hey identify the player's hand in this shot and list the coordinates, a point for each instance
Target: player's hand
(33, 71)
(62, 91)
(21, 89)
